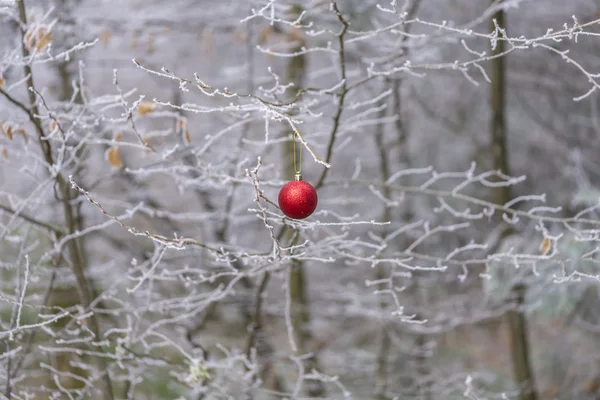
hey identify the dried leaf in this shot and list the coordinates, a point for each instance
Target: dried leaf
(148, 148)
(113, 156)
(295, 36)
(4, 152)
(240, 35)
(145, 107)
(53, 125)
(37, 37)
(265, 34)
(118, 137)
(591, 385)
(2, 81)
(7, 129)
(43, 39)
(134, 38)
(105, 38)
(545, 246)
(21, 131)
(186, 137)
(29, 39)
(150, 47)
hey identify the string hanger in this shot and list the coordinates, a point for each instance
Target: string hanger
(297, 158)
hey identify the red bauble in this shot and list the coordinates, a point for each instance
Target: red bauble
(298, 199)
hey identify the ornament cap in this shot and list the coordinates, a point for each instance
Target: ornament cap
(298, 176)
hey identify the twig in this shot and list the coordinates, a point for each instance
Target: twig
(342, 93)
(41, 224)
(468, 199)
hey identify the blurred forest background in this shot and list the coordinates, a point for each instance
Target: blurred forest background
(454, 250)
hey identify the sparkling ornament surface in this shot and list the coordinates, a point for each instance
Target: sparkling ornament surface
(298, 199)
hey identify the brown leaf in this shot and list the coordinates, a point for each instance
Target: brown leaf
(186, 137)
(105, 38)
(265, 34)
(545, 246)
(295, 36)
(7, 130)
(145, 107)
(591, 385)
(240, 35)
(29, 39)
(552, 390)
(150, 47)
(43, 39)
(2, 81)
(134, 38)
(37, 38)
(113, 156)
(148, 148)
(21, 131)
(4, 152)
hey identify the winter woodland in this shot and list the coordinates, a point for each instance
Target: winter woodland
(454, 251)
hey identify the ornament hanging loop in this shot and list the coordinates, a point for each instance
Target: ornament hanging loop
(297, 158)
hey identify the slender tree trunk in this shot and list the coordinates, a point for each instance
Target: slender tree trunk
(300, 309)
(517, 326)
(84, 289)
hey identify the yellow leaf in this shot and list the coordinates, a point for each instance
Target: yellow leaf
(37, 38)
(43, 39)
(545, 246)
(113, 156)
(145, 107)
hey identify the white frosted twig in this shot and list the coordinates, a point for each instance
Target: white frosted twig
(161, 250)
(288, 314)
(23, 291)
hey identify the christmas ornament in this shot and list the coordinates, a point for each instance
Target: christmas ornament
(297, 199)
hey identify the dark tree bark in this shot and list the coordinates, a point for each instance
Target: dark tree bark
(517, 324)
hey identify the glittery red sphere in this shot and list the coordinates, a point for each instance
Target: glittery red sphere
(298, 199)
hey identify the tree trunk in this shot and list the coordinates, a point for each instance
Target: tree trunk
(517, 326)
